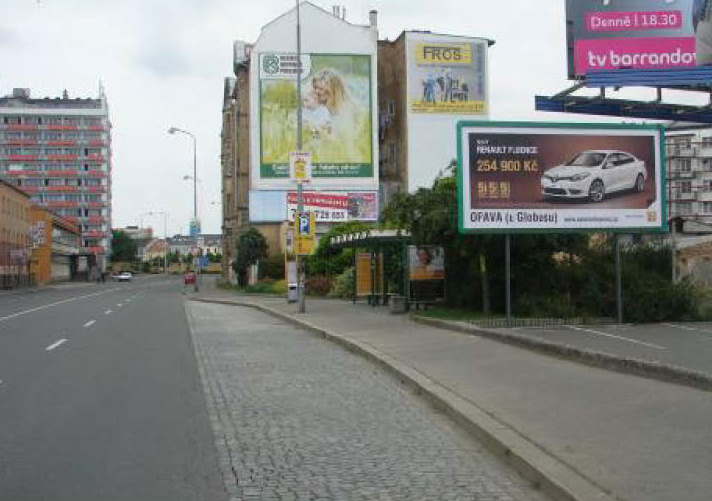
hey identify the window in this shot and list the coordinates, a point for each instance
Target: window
(685, 187)
(707, 207)
(684, 164)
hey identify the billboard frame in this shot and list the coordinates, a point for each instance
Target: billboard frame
(663, 228)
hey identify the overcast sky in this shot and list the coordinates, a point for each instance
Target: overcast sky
(162, 63)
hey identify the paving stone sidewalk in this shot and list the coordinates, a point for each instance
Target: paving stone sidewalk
(299, 418)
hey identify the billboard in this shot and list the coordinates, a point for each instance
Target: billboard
(336, 206)
(446, 76)
(519, 177)
(336, 114)
(637, 34)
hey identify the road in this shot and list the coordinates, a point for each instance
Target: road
(100, 397)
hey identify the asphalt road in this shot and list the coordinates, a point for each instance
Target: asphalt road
(686, 345)
(100, 397)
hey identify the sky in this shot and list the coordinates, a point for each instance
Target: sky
(163, 62)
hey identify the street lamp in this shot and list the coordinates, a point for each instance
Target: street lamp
(173, 130)
(165, 233)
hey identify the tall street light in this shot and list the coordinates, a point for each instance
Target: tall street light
(173, 130)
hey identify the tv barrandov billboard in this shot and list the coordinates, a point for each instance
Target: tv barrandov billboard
(519, 177)
(637, 34)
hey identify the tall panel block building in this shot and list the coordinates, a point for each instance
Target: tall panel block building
(58, 150)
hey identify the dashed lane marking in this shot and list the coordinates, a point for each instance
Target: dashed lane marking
(55, 345)
(63, 301)
(108, 312)
(90, 323)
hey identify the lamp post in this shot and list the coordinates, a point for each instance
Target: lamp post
(301, 296)
(173, 130)
(165, 234)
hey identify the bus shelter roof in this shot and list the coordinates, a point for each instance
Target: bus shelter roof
(371, 237)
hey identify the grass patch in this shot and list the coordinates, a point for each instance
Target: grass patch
(448, 313)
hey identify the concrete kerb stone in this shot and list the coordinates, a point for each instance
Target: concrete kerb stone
(633, 366)
(550, 474)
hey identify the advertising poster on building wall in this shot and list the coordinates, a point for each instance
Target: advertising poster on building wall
(447, 76)
(336, 206)
(560, 177)
(336, 114)
(637, 34)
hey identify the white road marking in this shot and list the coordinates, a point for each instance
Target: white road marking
(119, 305)
(680, 327)
(90, 323)
(692, 329)
(605, 334)
(54, 345)
(32, 310)
(108, 312)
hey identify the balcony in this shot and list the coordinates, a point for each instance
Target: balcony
(682, 196)
(704, 196)
(62, 127)
(681, 151)
(96, 249)
(22, 158)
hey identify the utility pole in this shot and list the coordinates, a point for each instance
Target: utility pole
(300, 189)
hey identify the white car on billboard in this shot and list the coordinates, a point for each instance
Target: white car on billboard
(594, 174)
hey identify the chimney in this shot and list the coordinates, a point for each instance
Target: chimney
(373, 18)
(21, 93)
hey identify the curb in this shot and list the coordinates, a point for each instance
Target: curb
(548, 473)
(599, 359)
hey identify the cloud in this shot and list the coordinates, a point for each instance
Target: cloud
(8, 37)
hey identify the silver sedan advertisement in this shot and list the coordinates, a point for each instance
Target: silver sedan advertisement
(560, 177)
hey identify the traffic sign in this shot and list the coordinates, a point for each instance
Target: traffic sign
(305, 232)
(300, 168)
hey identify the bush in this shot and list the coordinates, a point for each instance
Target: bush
(318, 286)
(344, 284)
(272, 267)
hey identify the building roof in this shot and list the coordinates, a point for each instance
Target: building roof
(13, 187)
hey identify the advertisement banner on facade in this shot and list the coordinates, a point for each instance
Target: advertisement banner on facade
(637, 34)
(336, 114)
(447, 76)
(336, 206)
(560, 177)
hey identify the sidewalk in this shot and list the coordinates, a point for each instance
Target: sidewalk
(584, 433)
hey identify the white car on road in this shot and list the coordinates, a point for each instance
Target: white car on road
(124, 276)
(594, 174)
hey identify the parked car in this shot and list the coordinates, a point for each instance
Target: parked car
(124, 276)
(594, 174)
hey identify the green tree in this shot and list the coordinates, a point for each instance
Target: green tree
(123, 247)
(250, 247)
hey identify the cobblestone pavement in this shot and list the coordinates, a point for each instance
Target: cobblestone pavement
(298, 418)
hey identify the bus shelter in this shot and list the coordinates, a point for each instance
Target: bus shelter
(380, 262)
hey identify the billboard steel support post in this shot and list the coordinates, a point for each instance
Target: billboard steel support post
(508, 276)
(300, 190)
(619, 290)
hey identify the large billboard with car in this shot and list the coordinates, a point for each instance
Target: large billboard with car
(561, 177)
(637, 34)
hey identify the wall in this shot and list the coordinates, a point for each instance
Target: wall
(322, 33)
